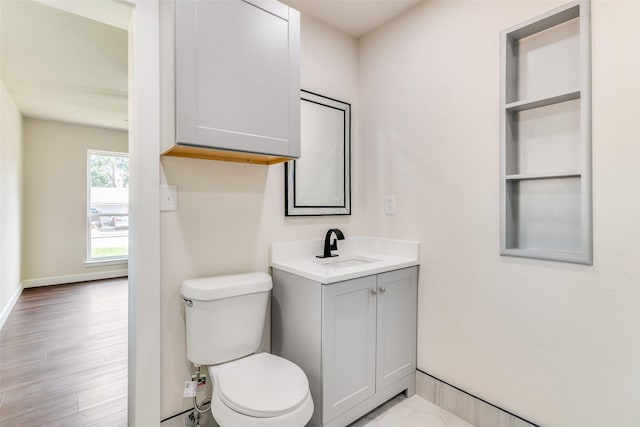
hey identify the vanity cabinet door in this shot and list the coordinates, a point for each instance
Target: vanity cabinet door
(237, 76)
(348, 344)
(396, 325)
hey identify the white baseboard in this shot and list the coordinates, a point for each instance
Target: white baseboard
(74, 278)
(6, 310)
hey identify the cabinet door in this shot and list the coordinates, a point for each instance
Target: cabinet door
(348, 344)
(237, 76)
(396, 329)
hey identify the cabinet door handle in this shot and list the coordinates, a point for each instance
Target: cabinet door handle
(383, 290)
(374, 291)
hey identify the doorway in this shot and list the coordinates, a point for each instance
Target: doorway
(144, 322)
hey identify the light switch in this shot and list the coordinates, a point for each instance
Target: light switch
(168, 198)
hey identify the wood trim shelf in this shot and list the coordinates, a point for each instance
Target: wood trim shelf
(224, 155)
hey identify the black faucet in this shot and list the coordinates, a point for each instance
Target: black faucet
(328, 246)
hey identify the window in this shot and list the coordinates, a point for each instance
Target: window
(108, 206)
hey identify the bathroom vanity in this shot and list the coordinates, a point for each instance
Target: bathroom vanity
(349, 322)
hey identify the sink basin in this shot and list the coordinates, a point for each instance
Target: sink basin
(345, 262)
(359, 256)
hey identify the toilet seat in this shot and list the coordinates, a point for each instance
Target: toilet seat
(262, 385)
(260, 390)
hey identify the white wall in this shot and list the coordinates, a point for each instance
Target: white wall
(10, 201)
(553, 342)
(144, 192)
(230, 212)
(55, 199)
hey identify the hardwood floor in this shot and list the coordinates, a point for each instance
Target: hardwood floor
(63, 357)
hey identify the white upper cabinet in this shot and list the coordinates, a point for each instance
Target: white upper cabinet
(237, 80)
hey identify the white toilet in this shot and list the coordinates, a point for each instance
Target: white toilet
(225, 321)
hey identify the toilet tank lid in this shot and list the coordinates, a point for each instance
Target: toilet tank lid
(219, 287)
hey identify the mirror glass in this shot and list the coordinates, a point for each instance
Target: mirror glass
(319, 182)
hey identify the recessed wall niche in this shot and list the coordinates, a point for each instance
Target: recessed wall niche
(546, 136)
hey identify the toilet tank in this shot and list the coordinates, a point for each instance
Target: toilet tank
(225, 316)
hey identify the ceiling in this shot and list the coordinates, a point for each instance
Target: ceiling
(62, 66)
(66, 60)
(354, 17)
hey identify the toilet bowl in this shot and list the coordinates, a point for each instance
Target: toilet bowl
(260, 390)
(224, 324)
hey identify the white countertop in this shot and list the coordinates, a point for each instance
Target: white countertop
(358, 256)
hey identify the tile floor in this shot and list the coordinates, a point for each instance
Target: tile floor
(409, 412)
(400, 411)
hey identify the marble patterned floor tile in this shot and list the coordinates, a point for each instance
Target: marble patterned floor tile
(409, 412)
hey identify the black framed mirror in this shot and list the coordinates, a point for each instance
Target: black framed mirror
(319, 182)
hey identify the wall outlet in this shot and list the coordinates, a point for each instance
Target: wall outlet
(168, 198)
(390, 204)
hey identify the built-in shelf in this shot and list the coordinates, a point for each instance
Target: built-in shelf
(529, 104)
(545, 21)
(575, 257)
(546, 136)
(523, 177)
